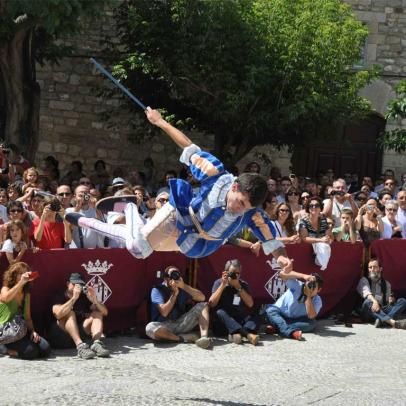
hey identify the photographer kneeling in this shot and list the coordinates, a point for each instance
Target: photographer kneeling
(78, 313)
(296, 310)
(170, 321)
(230, 299)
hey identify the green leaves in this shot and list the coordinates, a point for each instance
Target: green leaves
(250, 71)
(396, 139)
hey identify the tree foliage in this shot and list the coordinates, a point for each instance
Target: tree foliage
(396, 139)
(251, 72)
(29, 33)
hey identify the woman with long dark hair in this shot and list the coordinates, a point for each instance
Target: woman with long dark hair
(15, 300)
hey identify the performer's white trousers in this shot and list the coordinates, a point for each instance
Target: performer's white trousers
(158, 234)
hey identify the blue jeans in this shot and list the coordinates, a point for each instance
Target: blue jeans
(29, 350)
(386, 312)
(285, 325)
(249, 324)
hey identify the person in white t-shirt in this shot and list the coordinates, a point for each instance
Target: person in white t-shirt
(401, 214)
(339, 200)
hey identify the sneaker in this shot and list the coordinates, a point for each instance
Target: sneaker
(235, 338)
(377, 323)
(400, 324)
(73, 218)
(253, 338)
(297, 335)
(189, 337)
(85, 352)
(99, 349)
(203, 342)
(270, 329)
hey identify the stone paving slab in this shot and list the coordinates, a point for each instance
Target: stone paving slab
(336, 366)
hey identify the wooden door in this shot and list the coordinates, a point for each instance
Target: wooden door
(352, 150)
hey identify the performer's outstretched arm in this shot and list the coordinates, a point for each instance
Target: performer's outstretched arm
(155, 118)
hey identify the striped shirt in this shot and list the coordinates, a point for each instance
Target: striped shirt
(210, 207)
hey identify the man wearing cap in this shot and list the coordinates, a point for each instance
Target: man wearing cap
(78, 312)
(84, 204)
(196, 224)
(117, 184)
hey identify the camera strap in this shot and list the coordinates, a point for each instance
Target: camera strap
(82, 245)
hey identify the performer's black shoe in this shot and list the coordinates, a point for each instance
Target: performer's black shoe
(73, 218)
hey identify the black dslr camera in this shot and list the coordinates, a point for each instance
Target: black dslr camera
(174, 275)
(55, 205)
(337, 193)
(312, 285)
(232, 275)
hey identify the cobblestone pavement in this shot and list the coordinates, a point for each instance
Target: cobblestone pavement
(338, 365)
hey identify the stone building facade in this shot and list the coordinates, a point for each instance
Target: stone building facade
(71, 124)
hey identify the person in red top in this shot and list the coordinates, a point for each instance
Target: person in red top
(49, 230)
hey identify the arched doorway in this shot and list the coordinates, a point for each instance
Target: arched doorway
(353, 150)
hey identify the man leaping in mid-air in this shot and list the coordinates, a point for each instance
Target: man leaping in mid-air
(196, 225)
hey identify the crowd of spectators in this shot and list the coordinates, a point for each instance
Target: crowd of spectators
(34, 200)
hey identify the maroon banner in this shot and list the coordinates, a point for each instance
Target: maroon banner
(122, 282)
(392, 257)
(340, 277)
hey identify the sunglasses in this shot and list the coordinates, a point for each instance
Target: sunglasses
(64, 194)
(390, 209)
(85, 183)
(16, 210)
(314, 206)
(162, 201)
(389, 183)
(284, 210)
(305, 197)
(293, 194)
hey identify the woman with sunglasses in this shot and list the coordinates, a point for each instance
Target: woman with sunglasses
(284, 224)
(292, 197)
(314, 227)
(391, 227)
(369, 222)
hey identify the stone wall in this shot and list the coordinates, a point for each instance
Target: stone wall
(386, 46)
(71, 115)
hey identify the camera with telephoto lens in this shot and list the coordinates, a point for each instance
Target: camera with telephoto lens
(337, 193)
(174, 275)
(312, 285)
(86, 197)
(55, 205)
(232, 275)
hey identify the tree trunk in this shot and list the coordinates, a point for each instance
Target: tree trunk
(21, 93)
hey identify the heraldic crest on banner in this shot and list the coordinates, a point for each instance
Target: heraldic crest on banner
(97, 269)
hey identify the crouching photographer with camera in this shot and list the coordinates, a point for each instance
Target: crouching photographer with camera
(170, 320)
(48, 230)
(296, 310)
(230, 299)
(84, 204)
(78, 314)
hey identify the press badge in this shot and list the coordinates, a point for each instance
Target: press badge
(236, 300)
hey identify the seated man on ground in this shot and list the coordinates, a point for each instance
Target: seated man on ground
(296, 310)
(170, 320)
(78, 312)
(230, 299)
(379, 303)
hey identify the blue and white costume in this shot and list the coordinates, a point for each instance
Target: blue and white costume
(197, 225)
